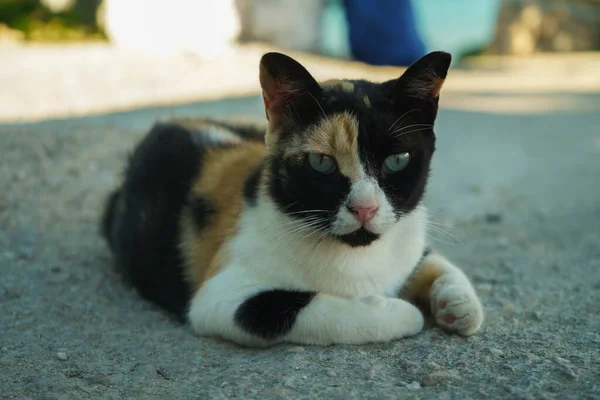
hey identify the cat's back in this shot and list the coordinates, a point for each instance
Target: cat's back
(183, 193)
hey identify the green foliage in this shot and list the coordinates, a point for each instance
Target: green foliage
(40, 24)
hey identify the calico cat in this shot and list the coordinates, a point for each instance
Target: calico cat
(312, 232)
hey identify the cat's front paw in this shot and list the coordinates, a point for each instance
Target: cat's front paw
(456, 307)
(393, 318)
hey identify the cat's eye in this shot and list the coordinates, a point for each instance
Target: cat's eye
(321, 163)
(396, 162)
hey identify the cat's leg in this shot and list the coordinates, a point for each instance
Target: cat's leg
(256, 314)
(442, 286)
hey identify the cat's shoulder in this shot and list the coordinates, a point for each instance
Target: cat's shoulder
(229, 131)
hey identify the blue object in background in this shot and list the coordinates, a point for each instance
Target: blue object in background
(333, 41)
(383, 32)
(456, 26)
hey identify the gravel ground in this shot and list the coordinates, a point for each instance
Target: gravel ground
(517, 197)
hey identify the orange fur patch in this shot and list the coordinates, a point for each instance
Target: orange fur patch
(221, 183)
(419, 284)
(437, 87)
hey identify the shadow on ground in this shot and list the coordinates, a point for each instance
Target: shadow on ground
(514, 202)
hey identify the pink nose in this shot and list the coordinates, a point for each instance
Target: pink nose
(364, 214)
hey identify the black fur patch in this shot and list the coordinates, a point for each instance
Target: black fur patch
(359, 238)
(272, 313)
(145, 233)
(201, 210)
(251, 187)
(108, 216)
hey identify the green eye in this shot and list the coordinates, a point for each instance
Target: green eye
(396, 162)
(321, 163)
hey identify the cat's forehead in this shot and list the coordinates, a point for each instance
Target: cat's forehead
(357, 95)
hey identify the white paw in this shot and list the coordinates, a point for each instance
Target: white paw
(400, 318)
(456, 308)
(411, 318)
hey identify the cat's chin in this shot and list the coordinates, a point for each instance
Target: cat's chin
(359, 238)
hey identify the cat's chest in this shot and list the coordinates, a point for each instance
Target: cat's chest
(381, 268)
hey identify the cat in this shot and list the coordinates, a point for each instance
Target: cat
(311, 233)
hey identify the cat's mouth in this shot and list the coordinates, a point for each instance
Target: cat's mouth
(358, 238)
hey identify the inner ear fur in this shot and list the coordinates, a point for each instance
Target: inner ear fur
(424, 78)
(284, 82)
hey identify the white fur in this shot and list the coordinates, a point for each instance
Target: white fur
(267, 254)
(220, 135)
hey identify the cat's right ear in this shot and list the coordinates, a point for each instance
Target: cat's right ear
(285, 82)
(424, 78)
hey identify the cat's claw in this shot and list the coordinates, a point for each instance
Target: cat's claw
(456, 308)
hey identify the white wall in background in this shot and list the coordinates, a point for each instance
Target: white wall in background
(205, 27)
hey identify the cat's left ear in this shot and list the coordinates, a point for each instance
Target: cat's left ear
(423, 80)
(285, 85)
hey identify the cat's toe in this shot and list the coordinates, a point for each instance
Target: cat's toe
(456, 309)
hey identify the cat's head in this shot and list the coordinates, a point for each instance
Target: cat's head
(347, 159)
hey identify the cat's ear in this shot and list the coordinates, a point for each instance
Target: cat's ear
(285, 83)
(424, 78)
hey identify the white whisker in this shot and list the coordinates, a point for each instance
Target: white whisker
(399, 120)
(411, 126)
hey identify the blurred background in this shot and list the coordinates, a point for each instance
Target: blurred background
(381, 32)
(71, 57)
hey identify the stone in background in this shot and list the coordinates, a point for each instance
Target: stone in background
(530, 26)
(289, 24)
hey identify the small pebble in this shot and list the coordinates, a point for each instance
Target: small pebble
(496, 352)
(102, 380)
(561, 360)
(372, 373)
(434, 365)
(62, 356)
(410, 366)
(330, 374)
(493, 218)
(438, 377)
(570, 371)
(414, 385)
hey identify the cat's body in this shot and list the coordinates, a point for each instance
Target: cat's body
(309, 238)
